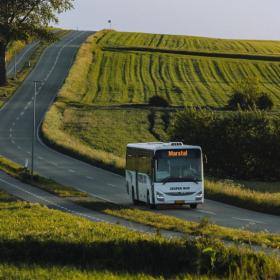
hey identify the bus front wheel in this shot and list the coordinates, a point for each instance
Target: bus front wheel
(193, 206)
(151, 205)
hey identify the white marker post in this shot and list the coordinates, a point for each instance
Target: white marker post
(34, 127)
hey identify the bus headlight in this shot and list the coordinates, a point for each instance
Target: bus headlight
(160, 196)
(198, 196)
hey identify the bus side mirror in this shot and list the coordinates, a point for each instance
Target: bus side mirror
(205, 159)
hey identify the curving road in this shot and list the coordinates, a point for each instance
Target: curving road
(16, 124)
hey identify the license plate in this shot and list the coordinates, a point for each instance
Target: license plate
(179, 202)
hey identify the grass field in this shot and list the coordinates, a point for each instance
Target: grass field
(39, 243)
(99, 134)
(133, 75)
(202, 44)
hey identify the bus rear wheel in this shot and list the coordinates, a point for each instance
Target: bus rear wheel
(134, 201)
(193, 206)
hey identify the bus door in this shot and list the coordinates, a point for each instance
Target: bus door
(137, 184)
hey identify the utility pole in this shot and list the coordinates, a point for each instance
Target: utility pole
(34, 127)
(15, 65)
(110, 23)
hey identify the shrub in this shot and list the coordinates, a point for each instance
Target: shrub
(158, 101)
(241, 100)
(242, 145)
(265, 102)
(247, 96)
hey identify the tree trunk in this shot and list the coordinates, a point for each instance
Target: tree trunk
(3, 72)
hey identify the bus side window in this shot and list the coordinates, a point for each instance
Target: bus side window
(144, 180)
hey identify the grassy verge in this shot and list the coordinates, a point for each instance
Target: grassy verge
(36, 241)
(262, 199)
(204, 228)
(48, 185)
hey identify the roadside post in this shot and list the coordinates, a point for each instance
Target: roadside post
(34, 126)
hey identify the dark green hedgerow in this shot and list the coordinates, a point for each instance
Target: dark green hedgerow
(244, 145)
(32, 235)
(144, 256)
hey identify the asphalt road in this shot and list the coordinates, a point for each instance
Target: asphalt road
(16, 124)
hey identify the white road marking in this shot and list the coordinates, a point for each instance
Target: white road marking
(40, 158)
(111, 185)
(206, 212)
(29, 153)
(53, 163)
(249, 220)
(19, 147)
(22, 113)
(88, 177)
(13, 141)
(71, 171)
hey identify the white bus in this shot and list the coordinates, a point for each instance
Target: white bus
(165, 173)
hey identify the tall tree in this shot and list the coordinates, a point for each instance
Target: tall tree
(20, 19)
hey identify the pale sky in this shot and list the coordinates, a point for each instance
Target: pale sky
(244, 19)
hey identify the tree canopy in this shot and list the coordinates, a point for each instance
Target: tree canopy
(20, 19)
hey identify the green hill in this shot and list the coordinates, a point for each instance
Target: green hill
(131, 67)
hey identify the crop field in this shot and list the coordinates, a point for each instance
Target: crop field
(179, 42)
(132, 75)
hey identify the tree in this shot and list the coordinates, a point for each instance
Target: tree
(20, 19)
(247, 95)
(158, 101)
(265, 102)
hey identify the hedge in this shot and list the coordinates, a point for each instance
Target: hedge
(242, 145)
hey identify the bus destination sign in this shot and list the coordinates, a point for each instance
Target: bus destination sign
(178, 153)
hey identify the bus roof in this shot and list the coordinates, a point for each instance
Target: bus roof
(154, 146)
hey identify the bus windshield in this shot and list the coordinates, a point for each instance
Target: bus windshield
(178, 166)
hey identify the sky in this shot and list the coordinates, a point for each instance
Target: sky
(238, 19)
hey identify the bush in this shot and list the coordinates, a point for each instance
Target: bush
(241, 100)
(243, 145)
(264, 102)
(158, 101)
(247, 96)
